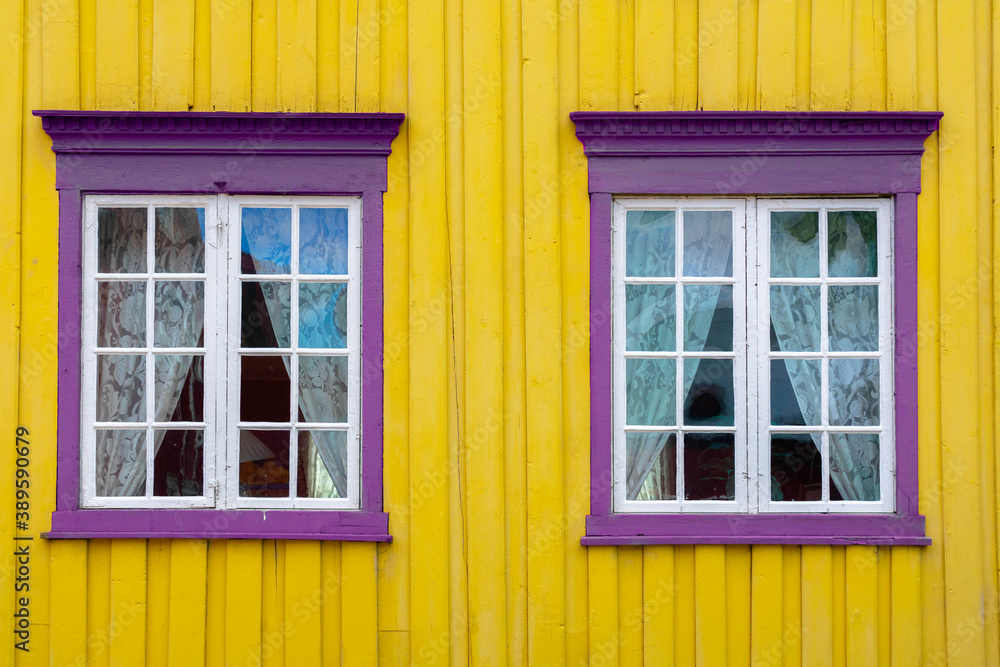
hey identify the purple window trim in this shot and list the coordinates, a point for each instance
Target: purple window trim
(754, 153)
(210, 153)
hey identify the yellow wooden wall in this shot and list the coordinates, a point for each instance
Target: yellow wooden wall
(486, 310)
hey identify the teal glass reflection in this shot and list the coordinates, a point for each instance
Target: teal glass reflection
(650, 319)
(323, 315)
(650, 244)
(266, 240)
(651, 392)
(708, 318)
(795, 318)
(854, 392)
(795, 244)
(708, 243)
(323, 241)
(796, 392)
(853, 244)
(853, 318)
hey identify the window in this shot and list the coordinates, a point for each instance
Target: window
(750, 373)
(220, 324)
(753, 326)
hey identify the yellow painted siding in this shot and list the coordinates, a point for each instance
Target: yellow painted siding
(486, 335)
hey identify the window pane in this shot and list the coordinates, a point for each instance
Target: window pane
(796, 392)
(265, 390)
(649, 243)
(795, 244)
(264, 457)
(650, 319)
(265, 314)
(854, 392)
(323, 315)
(853, 249)
(796, 467)
(709, 466)
(795, 318)
(180, 387)
(179, 316)
(121, 240)
(709, 399)
(180, 240)
(179, 462)
(121, 383)
(323, 389)
(322, 464)
(853, 318)
(650, 466)
(323, 240)
(854, 466)
(121, 314)
(708, 318)
(708, 243)
(651, 392)
(121, 463)
(266, 242)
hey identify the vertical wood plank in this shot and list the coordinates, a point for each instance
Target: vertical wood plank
(88, 54)
(145, 55)
(328, 59)
(862, 603)
(803, 52)
(626, 56)
(230, 55)
(738, 603)
(603, 580)
(766, 645)
(202, 55)
(296, 56)
(746, 67)
(173, 55)
(883, 606)
(348, 55)
(717, 54)
(598, 78)
(244, 565)
(776, 55)
(654, 55)
(368, 55)
(60, 57)
(303, 599)
(264, 55)
(127, 630)
(118, 55)
(905, 606)
(188, 619)
(686, 63)
(817, 606)
(98, 602)
(867, 56)
(830, 48)
(158, 557)
(546, 539)
(215, 602)
(630, 575)
(272, 604)
(791, 606)
(901, 55)
(685, 637)
(359, 620)
(69, 611)
(839, 616)
(331, 611)
(710, 620)
(658, 593)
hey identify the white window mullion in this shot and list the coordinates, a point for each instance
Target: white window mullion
(293, 366)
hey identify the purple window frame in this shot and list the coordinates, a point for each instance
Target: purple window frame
(719, 153)
(219, 153)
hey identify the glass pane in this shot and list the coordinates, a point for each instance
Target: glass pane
(265, 389)
(179, 316)
(323, 240)
(266, 243)
(121, 463)
(323, 315)
(650, 320)
(708, 243)
(121, 314)
(651, 466)
(854, 466)
(322, 464)
(854, 392)
(265, 315)
(179, 463)
(795, 318)
(323, 389)
(709, 399)
(649, 243)
(796, 392)
(796, 467)
(264, 461)
(651, 391)
(708, 318)
(853, 249)
(180, 240)
(121, 240)
(709, 466)
(795, 244)
(853, 318)
(180, 388)
(121, 384)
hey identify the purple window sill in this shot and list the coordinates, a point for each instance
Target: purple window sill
(272, 524)
(880, 529)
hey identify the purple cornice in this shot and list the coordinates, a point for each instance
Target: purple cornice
(194, 133)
